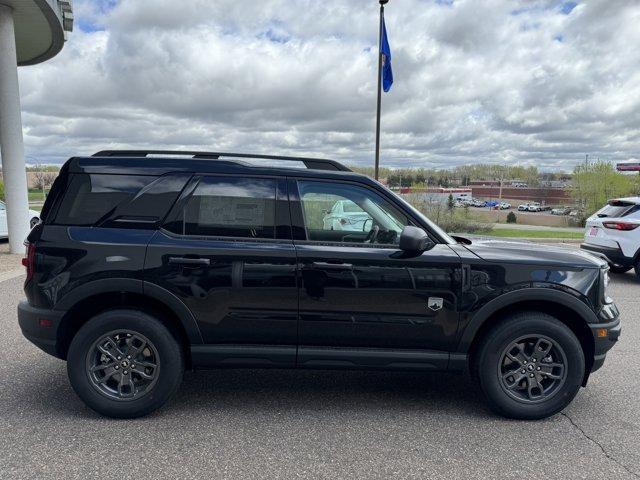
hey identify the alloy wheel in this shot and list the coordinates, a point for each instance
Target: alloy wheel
(532, 368)
(123, 365)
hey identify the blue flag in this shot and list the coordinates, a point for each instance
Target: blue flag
(387, 73)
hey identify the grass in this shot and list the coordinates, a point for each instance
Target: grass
(36, 195)
(514, 233)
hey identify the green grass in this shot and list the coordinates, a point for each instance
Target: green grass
(36, 195)
(507, 232)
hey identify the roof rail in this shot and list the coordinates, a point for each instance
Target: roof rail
(310, 163)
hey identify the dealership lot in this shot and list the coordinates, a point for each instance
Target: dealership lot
(270, 423)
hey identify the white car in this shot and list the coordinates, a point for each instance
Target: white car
(613, 232)
(34, 217)
(504, 206)
(524, 207)
(535, 207)
(347, 216)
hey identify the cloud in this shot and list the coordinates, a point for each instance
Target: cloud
(531, 82)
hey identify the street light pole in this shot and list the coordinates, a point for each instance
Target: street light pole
(377, 164)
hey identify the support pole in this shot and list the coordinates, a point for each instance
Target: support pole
(377, 164)
(11, 146)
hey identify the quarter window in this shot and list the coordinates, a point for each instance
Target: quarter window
(365, 216)
(228, 207)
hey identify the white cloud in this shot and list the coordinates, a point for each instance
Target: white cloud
(494, 81)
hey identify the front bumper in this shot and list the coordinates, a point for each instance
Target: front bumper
(605, 336)
(614, 255)
(40, 327)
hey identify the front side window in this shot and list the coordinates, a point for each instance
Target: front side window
(364, 216)
(228, 207)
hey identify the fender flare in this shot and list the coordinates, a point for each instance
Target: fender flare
(131, 285)
(527, 294)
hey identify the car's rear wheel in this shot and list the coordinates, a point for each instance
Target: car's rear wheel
(616, 269)
(530, 366)
(33, 222)
(125, 363)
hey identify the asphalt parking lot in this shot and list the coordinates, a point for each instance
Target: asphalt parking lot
(316, 424)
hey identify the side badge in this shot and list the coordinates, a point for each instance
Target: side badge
(435, 303)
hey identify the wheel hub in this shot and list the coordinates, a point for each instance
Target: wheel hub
(123, 365)
(532, 368)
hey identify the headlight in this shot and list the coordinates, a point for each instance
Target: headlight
(605, 279)
(604, 283)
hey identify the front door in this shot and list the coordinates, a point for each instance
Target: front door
(363, 302)
(226, 252)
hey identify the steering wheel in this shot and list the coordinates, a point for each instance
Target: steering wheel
(373, 234)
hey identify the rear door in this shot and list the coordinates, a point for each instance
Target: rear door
(226, 252)
(363, 302)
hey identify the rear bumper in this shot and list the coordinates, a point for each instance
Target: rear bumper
(614, 254)
(40, 327)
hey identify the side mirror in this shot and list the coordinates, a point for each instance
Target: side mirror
(367, 225)
(414, 239)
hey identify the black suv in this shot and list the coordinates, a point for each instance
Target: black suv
(147, 263)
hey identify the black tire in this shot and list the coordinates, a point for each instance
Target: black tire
(616, 269)
(33, 222)
(133, 328)
(636, 268)
(492, 355)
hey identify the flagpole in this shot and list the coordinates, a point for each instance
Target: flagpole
(377, 164)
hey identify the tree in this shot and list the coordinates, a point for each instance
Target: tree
(1, 190)
(511, 218)
(450, 203)
(596, 183)
(43, 179)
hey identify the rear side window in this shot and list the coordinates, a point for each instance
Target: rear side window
(89, 198)
(616, 208)
(228, 207)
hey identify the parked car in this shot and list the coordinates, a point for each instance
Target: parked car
(535, 207)
(479, 203)
(523, 207)
(34, 217)
(503, 206)
(613, 232)
(561, 211)
(143, 267)
(345, 215)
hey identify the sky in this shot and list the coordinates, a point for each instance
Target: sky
(495, 81)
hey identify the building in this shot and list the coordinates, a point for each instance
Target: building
(31, 32)
(439, 194)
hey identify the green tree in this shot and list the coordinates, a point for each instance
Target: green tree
(1, 190)
(597, 182)
(511, 218)
(450, 202)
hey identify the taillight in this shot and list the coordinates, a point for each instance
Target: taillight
(620, 225)
(29, 259)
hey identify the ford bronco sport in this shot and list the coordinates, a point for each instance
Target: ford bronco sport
(149, 262)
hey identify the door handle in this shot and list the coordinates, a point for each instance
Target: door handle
(189, 261)
(333, 266)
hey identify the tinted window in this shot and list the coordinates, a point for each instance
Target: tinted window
(228, 207)
(616, 209)
(89, 198)
(369, 217)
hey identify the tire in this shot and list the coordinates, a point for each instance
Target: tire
(636, 268)
(33, 222)
(504, 393)
(125, 393)
(615, 269)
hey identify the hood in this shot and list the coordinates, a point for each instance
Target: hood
(530, 253)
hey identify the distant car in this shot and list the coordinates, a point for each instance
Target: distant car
(524, 207)
(561, 211)
(613, 232)
(535, 207)
(479, 203)
(34, 217)
(347, 216)
(503, 206)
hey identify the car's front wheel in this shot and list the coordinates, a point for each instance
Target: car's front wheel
(125, 363)
(530, 366)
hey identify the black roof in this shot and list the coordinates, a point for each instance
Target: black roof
(160, 162)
